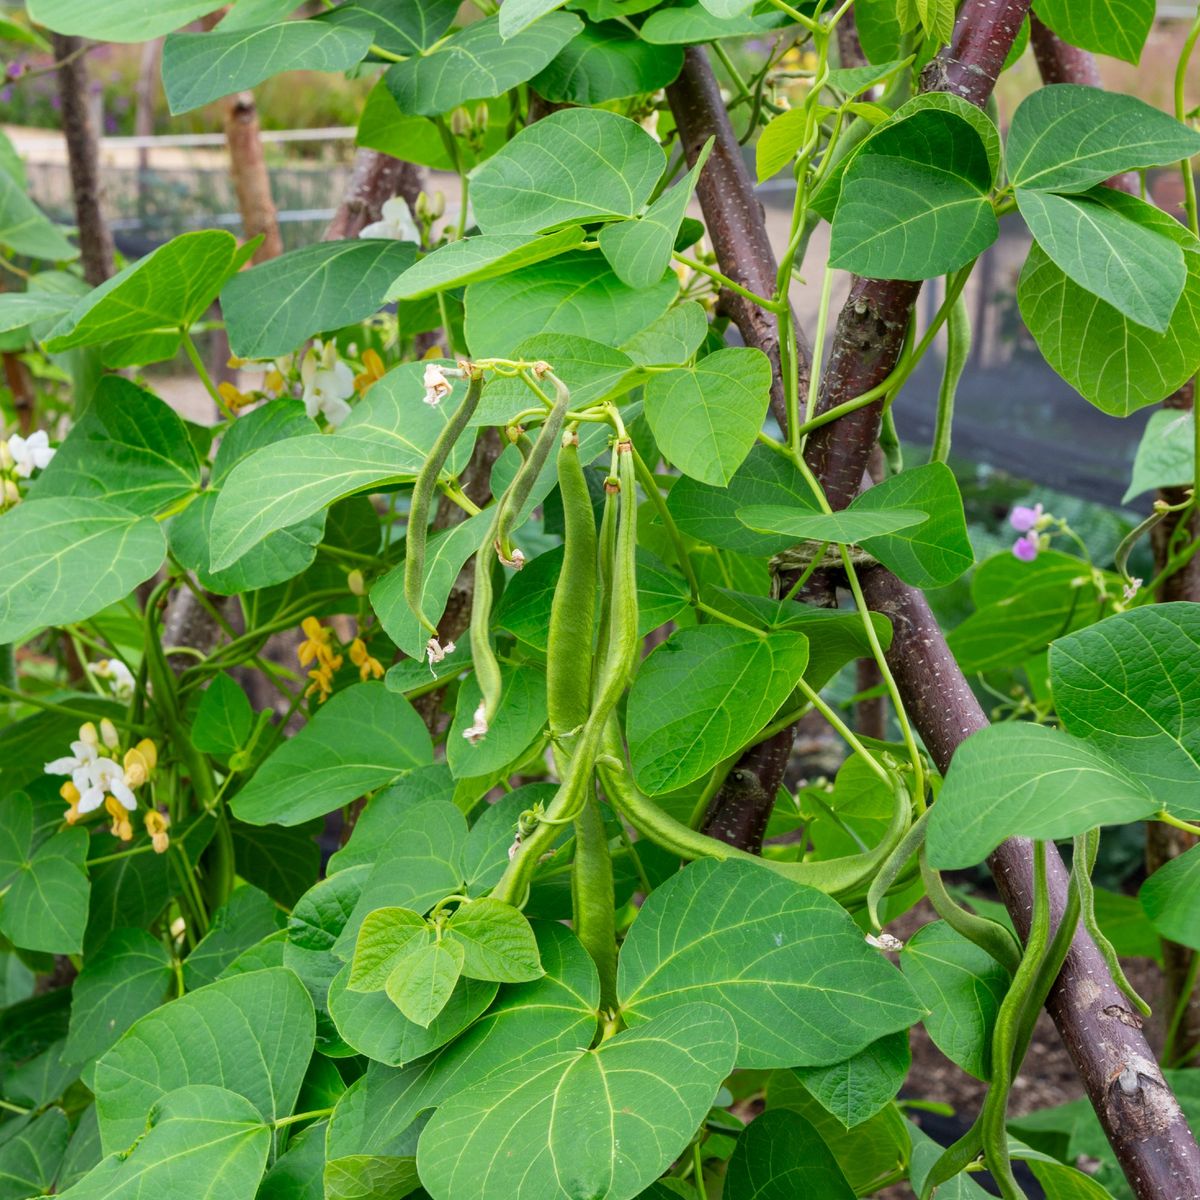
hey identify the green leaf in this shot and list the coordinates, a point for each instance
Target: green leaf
(716, 930)
(1061, 1182)
(1170, 898)
(702, 695)
(963, 987)
(1068, 138)
(914, 200)
(484, 256)
(422, 981)
(384, 440)
(575, 293)
(125, 979)
(931, 554)
(706, 418)
(779, 142)
(571, 167)
(284, 862)
(45, 901)
(1115, 27)
(247, 917)
(358, 741)
(856, 1089)
(1023, 780)
(372, 1023)
(129, 448)
(517, 15)
(639, 250)
(168, 290)
(477, 63)
(672, 338)
(497, 941)
(520, 718)
(606, 62)
(23, 227)
(370, 1178)
(200, 67)
(18, 309)
(31, 1155)
(1165, 455)
(397, 28)
(602, 1122)
(271, 309)
(853, 81)
(384, 938)
(689, 24)
(1125, 685)
(251, 1033)
(709, 514)
(780, 1156)
(117, 20)
(296, 1174)
(194, 1133)
(846, 527)
(1116, 364)
(1108, 254)
(445, 554)
(224, 718)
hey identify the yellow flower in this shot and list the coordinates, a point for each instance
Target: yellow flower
(233, 398)
(70, 793)
(121, 828)
(274, 382)
(373, 369)
(368, 667)
(156, 826)
(316, 646)
(322, 680)
(139, 761)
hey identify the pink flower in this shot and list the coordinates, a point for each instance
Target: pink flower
(1023, 519)
(1026, 548)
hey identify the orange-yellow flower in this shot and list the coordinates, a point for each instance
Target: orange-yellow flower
(368, 667)
(317, 644)
(121, 828)
(70, 793)
(156, 826)
(373, 369)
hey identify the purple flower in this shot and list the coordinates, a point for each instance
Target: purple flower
(14, 70)
(1023, 519)
(1026, 548)
(5, 95)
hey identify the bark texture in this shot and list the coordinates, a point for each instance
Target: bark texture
(83, 156)
(251, 180)
(376, 178)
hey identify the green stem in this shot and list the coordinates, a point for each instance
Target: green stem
(726, 282)
(1169, 1056)
(847, 734)
(315, 1115)
(66, 711)
(653, 493)
(206, 379)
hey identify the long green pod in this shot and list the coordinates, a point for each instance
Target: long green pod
(958, 350)
(988, 935)
(483, 654)
(573, 609)
(1007, 1033)
(422, 497)
(620, 655)
(592, 897)
(895, 862)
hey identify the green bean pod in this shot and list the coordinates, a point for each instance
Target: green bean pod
(422, 497)
(958, 350)
(990, 936)
(573, 610)
(896, 861)
(483, 655)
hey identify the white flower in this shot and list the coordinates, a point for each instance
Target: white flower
(82, 755)
(30, 453)
(328, 383)
(105, 776)
(475, 733)
(118, 675)
(885, 941)
(437, 386)
(396, 223)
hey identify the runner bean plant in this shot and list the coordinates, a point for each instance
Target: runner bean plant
(396, 780)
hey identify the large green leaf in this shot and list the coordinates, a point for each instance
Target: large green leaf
(706, 418)
(251, 1033)
(66, 558)
(702, 695)
(691, 23)
(606, 62)
(914, 200)
(781, 1156)
(1171, 897)
(45, 897)
(126, 978)
(117, 20)
(224, 719)
(575, 293)
(1113, 362)
(1126, 685)
(520, 718)
(200, 67)
(31, 1154)
(785, 960)
(962, 986)
(283, 861)
(248, 916)
(846, 527)
(166, 291)
(129, 448)
(1068, 138)
(24, 229)
(482, 257)
(193, 1134)
(1128, 265)
(602, 1122)
(1115, 27)
(271, 309)
(1024, 780)
(18, 309)
(517, 15)
(358, 741)
(397, 28)
(573, 166)
(673, 338)
(477, 63)
(1166, 453)
(384, 440)
(856, 1089)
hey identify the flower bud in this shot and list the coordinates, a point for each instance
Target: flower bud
(356, 583)
(460, 122)
(109, 735)
(481, 118)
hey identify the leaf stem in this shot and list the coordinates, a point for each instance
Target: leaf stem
(725, 281)
(205, 378)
